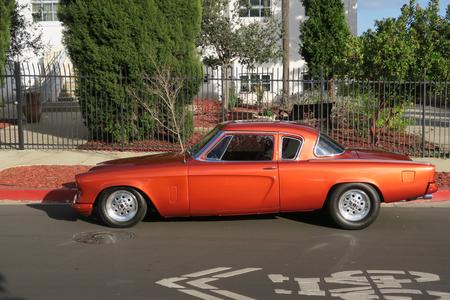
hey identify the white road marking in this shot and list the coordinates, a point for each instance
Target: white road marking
(352, 289)
(441, 295)
(384, 282)
(200, 295)
(309, 286)
(400, 291)
(355, 284)
(347, 277)
(201, 283)
(237, 272)
(385, 272)
(283, 292)
(277, 278)
(206, 272)
(233, 295)
(425, 277)
(169, 282)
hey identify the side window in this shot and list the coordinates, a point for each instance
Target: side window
(247, 147)
(290, 148)
(327, 147)
(217, 152)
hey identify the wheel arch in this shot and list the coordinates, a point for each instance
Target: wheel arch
(330, 191)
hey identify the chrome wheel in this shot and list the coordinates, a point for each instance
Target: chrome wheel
(121, 206)
(354, 205)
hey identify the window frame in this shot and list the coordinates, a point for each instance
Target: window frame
(261, 8)
(247, 80)
(213, 143)
(53, 12)
(292, 137)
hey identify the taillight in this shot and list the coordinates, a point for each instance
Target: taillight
(432, 188)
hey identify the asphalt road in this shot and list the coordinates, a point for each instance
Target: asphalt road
(46, 252)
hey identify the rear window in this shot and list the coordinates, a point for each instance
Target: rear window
(327, 147)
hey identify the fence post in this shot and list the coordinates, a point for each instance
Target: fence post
(423, 116)
(19, 104)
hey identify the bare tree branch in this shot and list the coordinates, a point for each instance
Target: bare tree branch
(166, 87)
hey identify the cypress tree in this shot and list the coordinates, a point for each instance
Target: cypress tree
(113, 43)
(324, 36)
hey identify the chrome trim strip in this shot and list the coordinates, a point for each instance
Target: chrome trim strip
(208, 145)
(214, 146)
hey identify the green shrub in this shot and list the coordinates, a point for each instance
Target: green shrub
(113, 43)
(6, 12)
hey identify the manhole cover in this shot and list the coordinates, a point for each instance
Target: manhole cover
(103, 237)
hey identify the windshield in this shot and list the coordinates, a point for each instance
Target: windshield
(327, 147)
(205, 140)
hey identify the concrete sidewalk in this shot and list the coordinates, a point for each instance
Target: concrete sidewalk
(15, 158)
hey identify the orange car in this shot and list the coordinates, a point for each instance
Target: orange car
(254, 168)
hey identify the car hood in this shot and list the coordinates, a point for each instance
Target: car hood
(375, 154)
(139, 161)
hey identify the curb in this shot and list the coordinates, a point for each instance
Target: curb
(66, 195)
(63, 195)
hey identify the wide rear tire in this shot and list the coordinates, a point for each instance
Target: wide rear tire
(121, 207)
(354, 206)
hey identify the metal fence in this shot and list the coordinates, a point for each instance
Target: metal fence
(55, 108)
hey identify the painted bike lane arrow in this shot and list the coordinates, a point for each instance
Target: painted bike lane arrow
(201, 282)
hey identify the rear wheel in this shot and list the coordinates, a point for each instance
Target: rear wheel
(354, 205)
(121, 207)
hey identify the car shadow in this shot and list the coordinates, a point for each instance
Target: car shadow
(156, 218)
(64, 212)
(317, 218)
(4, 295)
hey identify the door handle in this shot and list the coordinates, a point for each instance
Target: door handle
(270, 168)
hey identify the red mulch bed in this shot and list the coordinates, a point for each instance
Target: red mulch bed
(40, 177)
(139, 146)
(51, 177)
(443, 179)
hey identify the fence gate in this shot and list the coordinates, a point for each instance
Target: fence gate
(38, 108)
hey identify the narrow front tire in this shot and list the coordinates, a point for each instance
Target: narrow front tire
(121, 207)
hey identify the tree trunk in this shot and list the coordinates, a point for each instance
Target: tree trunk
(332, 90)
(225, 89)
(285, 29)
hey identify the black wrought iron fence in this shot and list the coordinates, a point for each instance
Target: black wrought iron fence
(55, 108)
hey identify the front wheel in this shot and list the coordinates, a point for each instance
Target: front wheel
(354, 205)
(121, 207)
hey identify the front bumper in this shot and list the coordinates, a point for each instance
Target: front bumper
(84, 209)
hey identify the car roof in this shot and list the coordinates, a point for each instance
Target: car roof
(270, 126)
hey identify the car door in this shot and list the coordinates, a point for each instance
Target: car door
(302, 186)
(237, 175)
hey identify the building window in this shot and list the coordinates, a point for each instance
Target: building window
(45, 10)
(250, 82)
(255, 8)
